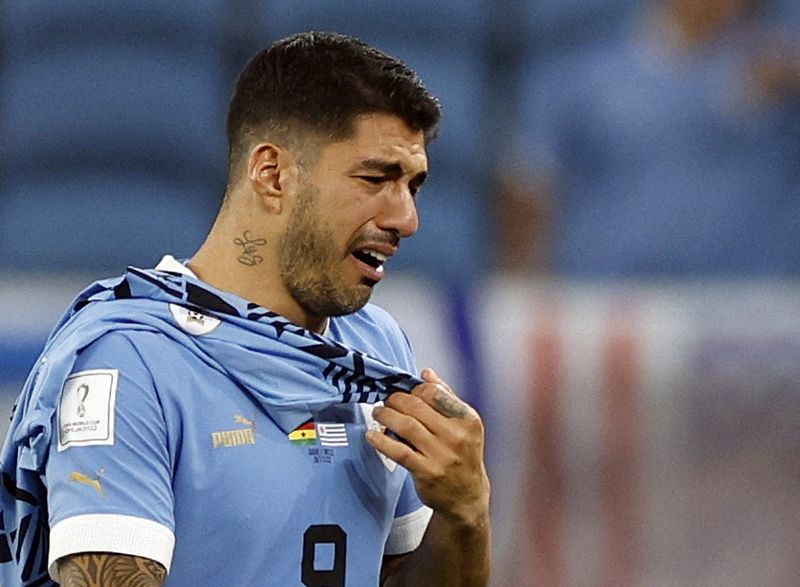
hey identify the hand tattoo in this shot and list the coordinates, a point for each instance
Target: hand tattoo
(249, 246)
(449, 405)
(110, 570)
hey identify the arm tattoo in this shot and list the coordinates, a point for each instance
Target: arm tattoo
(249, 247)
(449, 405)
(104, 569)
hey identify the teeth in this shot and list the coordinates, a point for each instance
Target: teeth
(379, 256)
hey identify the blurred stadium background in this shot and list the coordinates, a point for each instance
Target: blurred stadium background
(642, 425)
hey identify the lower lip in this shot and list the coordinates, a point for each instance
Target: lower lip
(369, 271)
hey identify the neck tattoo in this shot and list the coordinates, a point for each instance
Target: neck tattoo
(249, 249)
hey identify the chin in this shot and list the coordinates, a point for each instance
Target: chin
(336, 303)
(350, 307)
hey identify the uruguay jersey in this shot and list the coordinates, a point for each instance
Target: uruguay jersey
(168, 458)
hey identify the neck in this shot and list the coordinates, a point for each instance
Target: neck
(244, 262)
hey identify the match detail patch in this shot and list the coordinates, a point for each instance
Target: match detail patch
(86, 409)
(192, 321)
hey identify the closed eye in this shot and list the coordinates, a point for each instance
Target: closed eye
(413, 186)
(372, 179)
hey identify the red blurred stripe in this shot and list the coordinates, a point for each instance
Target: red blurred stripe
(544, 528)
(621, 440)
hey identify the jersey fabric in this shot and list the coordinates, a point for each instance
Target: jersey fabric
(162, 455)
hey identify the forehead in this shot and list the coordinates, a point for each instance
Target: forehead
(379, 137)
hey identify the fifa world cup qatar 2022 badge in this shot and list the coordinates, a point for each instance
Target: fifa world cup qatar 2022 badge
(86, 409)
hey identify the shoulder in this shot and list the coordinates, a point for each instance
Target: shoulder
(119, 359)
(120, 348)
(141, 360)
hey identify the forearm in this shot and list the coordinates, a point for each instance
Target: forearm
(104, 569)
(452, 554)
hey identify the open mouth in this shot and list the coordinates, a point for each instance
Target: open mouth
(372, 258)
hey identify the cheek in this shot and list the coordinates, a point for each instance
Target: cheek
(356, 210)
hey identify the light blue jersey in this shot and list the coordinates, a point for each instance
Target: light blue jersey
(162, 455)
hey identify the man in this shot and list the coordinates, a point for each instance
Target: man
(213, 423)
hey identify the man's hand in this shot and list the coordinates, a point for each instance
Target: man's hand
(442, 444)
(444, 450)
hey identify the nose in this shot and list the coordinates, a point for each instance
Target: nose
(399, 212)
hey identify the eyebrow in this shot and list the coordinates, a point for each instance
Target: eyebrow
(391, 169)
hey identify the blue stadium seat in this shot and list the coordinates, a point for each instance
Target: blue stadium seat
(92, 106)
(413, 21)
(561, 24)
(31, 23)
(112, 117)
(101, 82)
(783, 13)
(100, 221)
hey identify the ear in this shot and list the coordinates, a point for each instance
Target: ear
(272, 174)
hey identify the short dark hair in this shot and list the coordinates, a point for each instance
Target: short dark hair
(319, 82)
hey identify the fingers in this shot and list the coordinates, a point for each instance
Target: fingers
(414, 421)
(429, 410)
(431, 418)
(442, 445)
(399, 452)
(432, 376)
(441, 396)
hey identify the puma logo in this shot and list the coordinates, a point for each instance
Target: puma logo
(86, 480)
(245, 421)
(240, 437)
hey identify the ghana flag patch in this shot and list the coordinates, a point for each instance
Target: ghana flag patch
(304, 434)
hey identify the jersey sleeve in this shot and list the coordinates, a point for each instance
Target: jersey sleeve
(411, 519)
(109, 472)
